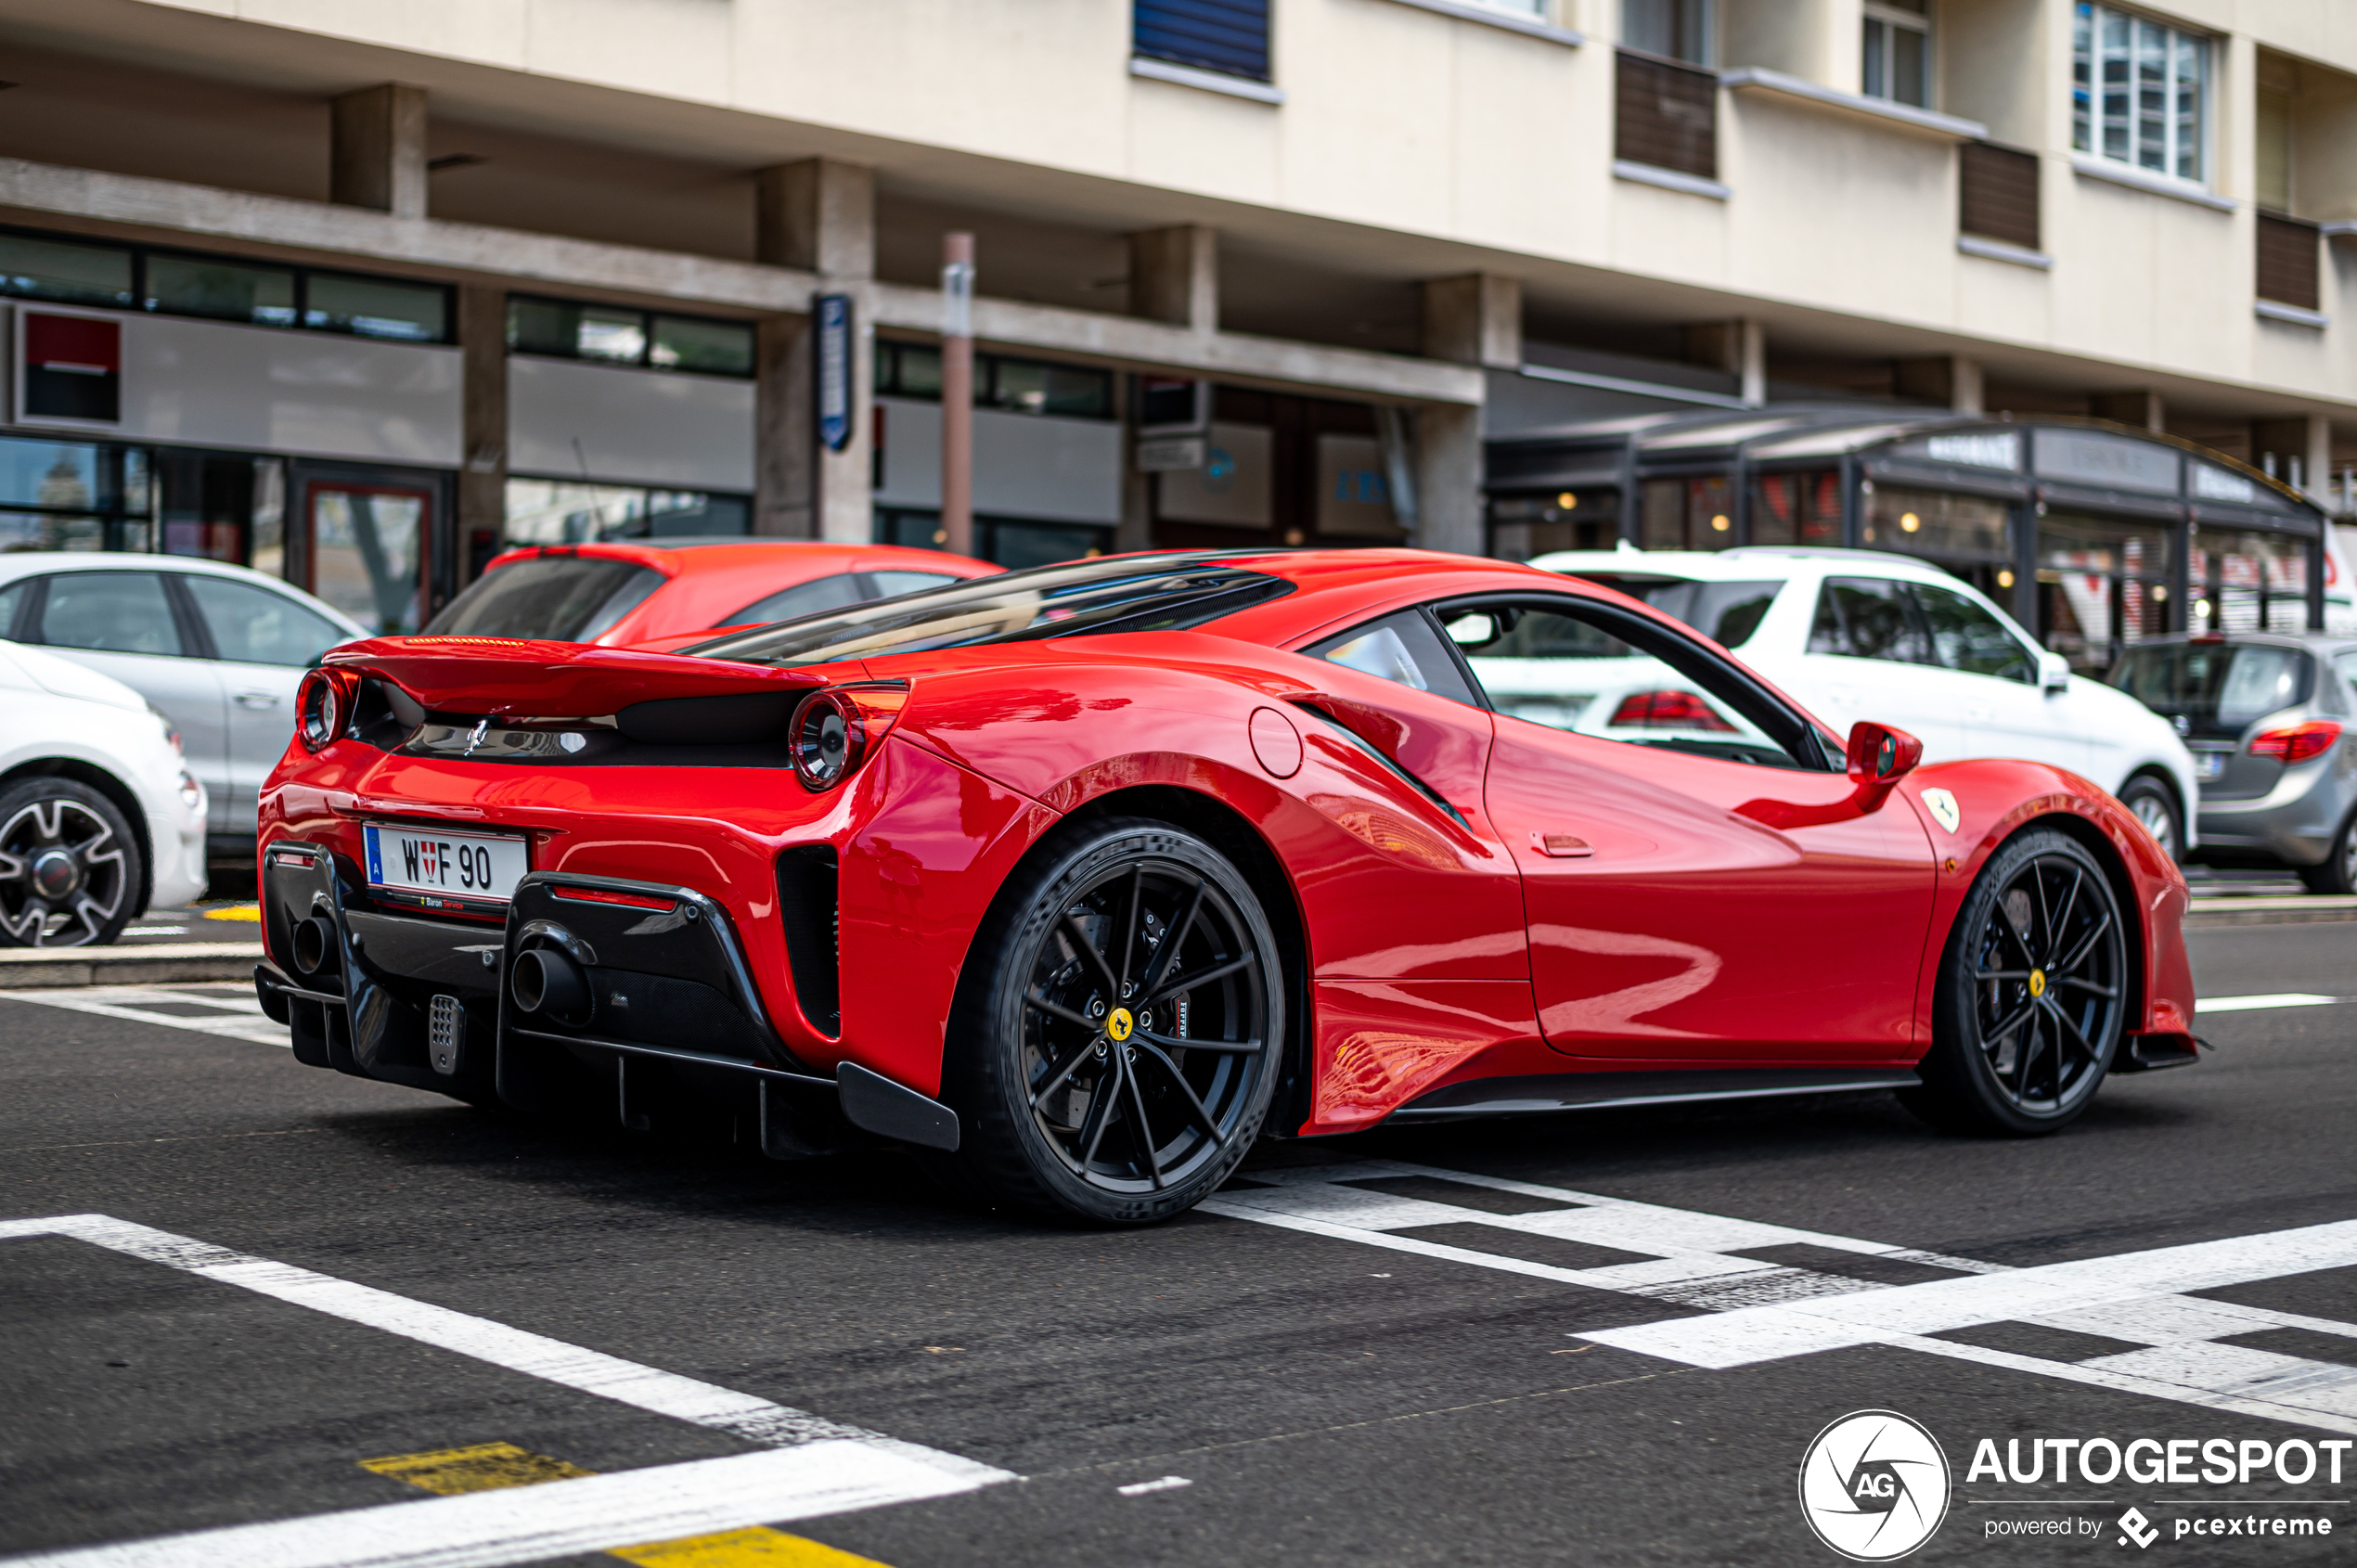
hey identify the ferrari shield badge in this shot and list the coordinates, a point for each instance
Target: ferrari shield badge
(1943, 808)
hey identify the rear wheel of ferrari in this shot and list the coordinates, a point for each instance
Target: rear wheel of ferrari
(2033, 993)
(69, 872)
(1115, 1045)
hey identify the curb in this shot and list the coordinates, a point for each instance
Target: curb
(2207, 913)
(34, 969)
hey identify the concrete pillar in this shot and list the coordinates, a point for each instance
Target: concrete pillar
(2134, 407)
(377, 156)
(1740, 348)
(2304, 440)
(1948, 380)
(1473, 320)
(483, 474)
(1174, 277)
(2318, 479)
(819, 217)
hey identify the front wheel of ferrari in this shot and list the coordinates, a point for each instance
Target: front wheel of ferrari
(1115, 1044)
(2033, 994)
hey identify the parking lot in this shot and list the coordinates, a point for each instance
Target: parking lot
(362, 1323)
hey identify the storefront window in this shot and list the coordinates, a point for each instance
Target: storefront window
(1689, 514)
(2248, 582)
(1525, 527)
(1018, 386)
(37, 530)
(1012, 543)
(225, 291)
(374, 307)
(2102, 586)
(716, 348)
(542, 512)
(616, 335)
(78, 275)
(1802, 508)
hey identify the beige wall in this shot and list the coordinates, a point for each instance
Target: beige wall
(1411, 143)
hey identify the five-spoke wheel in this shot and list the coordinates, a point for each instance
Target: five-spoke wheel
(1116, 1057)
(69, 868)
(2032, 993)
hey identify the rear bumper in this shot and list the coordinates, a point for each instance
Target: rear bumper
(2294, 823)
(656, 1010)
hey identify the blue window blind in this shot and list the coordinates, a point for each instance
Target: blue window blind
(1225, 35)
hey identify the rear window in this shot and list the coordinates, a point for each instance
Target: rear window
(2218, 689)
(1115, 594)
(1725, 613)
(558, 597)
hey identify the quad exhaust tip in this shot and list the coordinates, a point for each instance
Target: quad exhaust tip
(315, 946)
(545, 981)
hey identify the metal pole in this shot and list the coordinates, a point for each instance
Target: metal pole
(957, 394)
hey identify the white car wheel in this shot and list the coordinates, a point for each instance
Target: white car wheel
(68, 866)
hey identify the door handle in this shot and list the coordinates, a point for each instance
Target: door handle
(257, 699)
(1561, 847)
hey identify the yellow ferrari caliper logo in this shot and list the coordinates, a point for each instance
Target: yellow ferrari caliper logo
(1119, 1024)
(2037, 982)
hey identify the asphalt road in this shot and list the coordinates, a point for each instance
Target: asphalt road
(1345, 1367)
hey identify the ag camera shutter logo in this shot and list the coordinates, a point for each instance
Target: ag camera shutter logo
(1873, 1485)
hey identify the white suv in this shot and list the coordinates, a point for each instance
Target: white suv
(1860, 634)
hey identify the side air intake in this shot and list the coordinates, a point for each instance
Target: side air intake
(806, 901)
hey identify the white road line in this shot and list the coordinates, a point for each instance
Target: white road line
(2255, 1004)
(608, 1377)
(1756, 1311)
(232, 1014)
(556, 1519)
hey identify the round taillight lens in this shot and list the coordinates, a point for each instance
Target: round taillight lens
(318, 710)
(828, 738)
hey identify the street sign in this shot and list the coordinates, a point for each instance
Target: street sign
(833, 314)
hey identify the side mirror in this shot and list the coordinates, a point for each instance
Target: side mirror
(1474, 630)
(1880, 756)
(2054, 672)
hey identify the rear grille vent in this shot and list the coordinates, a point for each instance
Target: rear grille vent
(806, 901)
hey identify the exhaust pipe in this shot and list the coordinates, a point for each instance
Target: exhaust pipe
(315, 946)
(545, 981)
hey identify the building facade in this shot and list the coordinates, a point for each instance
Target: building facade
(360, 293)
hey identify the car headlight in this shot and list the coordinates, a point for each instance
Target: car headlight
(191, 793)
(171, 731)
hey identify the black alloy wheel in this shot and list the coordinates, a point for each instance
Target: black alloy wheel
(1116, 1040)
(2033, 994)
(68, 866)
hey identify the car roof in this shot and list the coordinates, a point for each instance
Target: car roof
(680, 557)
(1743, 561)
(31, 563)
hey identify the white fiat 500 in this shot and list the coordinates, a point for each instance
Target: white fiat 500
(99, 816)
(1860, 634)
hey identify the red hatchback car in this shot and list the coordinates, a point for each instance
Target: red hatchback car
(1079, 878)
(625, 591)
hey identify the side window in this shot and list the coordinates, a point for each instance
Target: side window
(108, 613)
(257, 626)
(1594, 670)
(1965, 637)
(1867, 618)
(2345, 661)
(1401, 648)
(12, 600)
(890, 583)
(804, 598)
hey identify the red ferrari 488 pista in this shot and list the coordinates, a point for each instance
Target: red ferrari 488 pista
(1078, 879)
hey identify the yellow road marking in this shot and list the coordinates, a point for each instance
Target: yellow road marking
(486, 1466)
(251, 912)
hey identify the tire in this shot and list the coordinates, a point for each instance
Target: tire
(2155, 806)
(2032, 998)
(1054, 1069)
(70, 868)
(2338, 873)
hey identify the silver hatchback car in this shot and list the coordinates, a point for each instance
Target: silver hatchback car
(2271, 721)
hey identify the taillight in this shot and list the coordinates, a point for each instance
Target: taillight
(1666, 710)
(834, 730)
(2299, 743)
(323, 706)
(610, 895)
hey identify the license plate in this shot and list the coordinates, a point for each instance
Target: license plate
(2210, 764)
(434, 867)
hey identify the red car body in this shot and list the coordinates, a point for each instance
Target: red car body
(1488, 898)
(710, 582)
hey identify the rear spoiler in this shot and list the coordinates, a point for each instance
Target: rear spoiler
(514, 678)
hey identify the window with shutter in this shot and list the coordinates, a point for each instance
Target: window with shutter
(1231, 37)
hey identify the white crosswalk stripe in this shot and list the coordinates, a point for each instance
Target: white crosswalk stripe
(225, 1008)
(1755, 1310)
